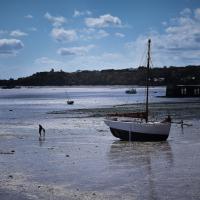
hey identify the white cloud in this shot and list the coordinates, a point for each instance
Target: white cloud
(164, 23)
(29, 16)
(185, 12)
(121, 35)
(101, 61)
(103, 21)
(81, 50)
(78, 13)
(48, 61)
(64, 35)
(197, 13)
(56, 21)
(101, 34)
(18, 33)
(92, 33)
(10, 46)
(178, 45)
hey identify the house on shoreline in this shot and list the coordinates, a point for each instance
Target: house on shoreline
(183, 91)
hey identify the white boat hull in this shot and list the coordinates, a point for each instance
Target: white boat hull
(139, 131)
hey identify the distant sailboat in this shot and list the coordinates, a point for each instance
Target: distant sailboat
(69, 101)
(131, 91)
(125, 127)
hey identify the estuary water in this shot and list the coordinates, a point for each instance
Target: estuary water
(79, 158)
(84, 97)
(35, 101)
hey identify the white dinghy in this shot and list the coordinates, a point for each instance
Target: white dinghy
(137, 127)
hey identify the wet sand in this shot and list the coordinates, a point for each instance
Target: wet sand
(80, 159)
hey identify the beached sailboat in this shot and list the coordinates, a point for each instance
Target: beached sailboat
(136, 126)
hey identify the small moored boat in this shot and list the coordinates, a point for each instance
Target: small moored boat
(131, 91)
(69, 101)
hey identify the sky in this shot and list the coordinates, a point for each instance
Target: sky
(71, 35)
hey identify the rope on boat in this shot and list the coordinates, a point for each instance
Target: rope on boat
(181, 123)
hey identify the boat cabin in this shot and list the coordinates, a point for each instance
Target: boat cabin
(183, 91)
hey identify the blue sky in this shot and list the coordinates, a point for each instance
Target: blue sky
(75, 35)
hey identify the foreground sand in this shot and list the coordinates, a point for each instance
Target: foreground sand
(80, 159)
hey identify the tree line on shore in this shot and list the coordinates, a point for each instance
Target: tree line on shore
(132, 76)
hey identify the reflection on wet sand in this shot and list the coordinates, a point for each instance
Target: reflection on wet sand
(120, 151)
(143, 161)
(41, 141)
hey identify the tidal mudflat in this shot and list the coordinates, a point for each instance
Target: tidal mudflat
(80, 159)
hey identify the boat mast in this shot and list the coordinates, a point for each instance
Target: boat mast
(147, 80)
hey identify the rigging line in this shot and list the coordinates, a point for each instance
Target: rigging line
(145, 58)
(142, 58)
(151, 62)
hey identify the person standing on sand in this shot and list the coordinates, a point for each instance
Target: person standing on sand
(41, 129)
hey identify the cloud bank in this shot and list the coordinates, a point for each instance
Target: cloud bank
(121, 35)
(10, 46)
(78, 13)
(103, 21)
(92, 33)
(81, 50)
(55, 21)
(179, 44)
(47, 61)
(64, 35)
(18, 33)
(29, 16)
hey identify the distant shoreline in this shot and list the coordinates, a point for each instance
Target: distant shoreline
(81, 86)
(130, 76)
